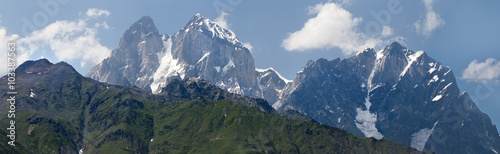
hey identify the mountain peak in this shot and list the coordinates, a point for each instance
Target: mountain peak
(43, 66)
(396, 44)
(198, 23)
(145, 19)
(34, 66)
(142, 27)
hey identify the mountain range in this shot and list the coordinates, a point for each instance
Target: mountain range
(60, 111)
(393, 94)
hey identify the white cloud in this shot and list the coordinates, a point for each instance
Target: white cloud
(386, 31)
(486, 71)
(431, 22)
(332, 27)
(69, 40)
(222, 21)
(94, 13)
(4, 38)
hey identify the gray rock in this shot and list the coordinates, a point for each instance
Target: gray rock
(201, 49)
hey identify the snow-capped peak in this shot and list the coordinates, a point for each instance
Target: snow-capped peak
(272, 69)
(205, 25)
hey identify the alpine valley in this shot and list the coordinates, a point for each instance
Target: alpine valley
(198, 91)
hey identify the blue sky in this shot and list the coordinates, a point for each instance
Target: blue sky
(458, 33)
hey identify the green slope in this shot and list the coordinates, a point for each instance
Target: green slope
(70, 112)
(203, 126)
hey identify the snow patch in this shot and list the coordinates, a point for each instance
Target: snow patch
(216, 30)
(204, 56)
(217, 68)
(437, 98)
(432, 70)
(365, 121)
(433, 67)
(168, 67)
(446, 87)
(339, 119)
(434, 79)
(494, 150)
(272, 69)
(229, 65)
(419, 139)
(124, 67)
(411, 58)
(447, 71)
(277, 104)
(380, 54)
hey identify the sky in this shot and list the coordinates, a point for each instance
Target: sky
(282, 34)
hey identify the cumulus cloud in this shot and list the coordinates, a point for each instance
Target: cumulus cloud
(333, 26)
(386, 31)
(4, 38)
(67, 40)
(431, 22)
(222, 21)
(486, 71)
(94, 13)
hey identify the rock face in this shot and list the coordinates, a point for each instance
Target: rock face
(135, 58)
(272, 84)
(393, 94)
(201, 49)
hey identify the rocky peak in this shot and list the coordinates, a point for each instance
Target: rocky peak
(34, 66)
(43, 66)
(198, 23)
(141, 30)
(135, 57)
(144, 25)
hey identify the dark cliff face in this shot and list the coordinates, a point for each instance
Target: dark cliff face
(395, 94)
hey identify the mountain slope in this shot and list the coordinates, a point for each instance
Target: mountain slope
(222, 126)
(136, 56)
(60, 111)
(395, 94)
(272, 84)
